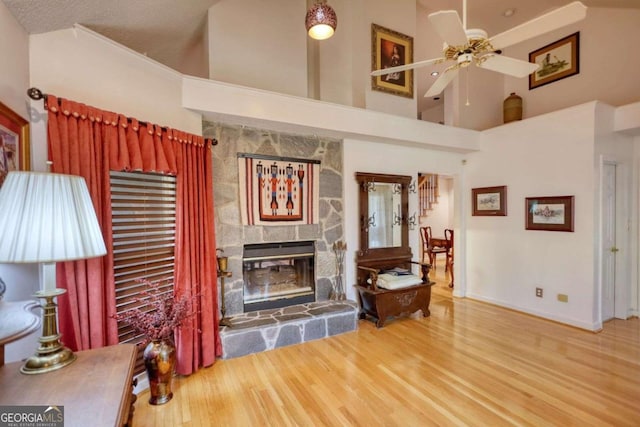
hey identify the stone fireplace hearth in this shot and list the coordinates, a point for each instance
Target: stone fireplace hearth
(258, 331)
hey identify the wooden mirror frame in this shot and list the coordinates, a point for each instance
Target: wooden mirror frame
(365, 181)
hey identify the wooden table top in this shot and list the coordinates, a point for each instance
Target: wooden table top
(93, 390)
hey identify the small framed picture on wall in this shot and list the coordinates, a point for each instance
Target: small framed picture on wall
(553, 213)
(14, 142)
(489, 201)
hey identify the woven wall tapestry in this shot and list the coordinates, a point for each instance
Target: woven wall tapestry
(278, 190)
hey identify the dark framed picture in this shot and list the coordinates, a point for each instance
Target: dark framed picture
(391, 49)
(557, 60)
(549, 213)
(489, 201)
(14, 142)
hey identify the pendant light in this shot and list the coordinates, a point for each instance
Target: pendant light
(321, 21)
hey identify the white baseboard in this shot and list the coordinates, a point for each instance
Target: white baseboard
(142, 385)
(593, 327)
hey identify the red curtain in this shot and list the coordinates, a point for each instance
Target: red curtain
(90, 142)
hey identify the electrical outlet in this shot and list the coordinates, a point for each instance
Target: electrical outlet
(563, 298)
(539, 292)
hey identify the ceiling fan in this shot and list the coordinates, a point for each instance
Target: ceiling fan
(466, 46)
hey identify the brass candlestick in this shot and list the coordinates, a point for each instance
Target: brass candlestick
(223, 273)
(51, 354)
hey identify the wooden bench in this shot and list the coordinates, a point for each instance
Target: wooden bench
(382, 303)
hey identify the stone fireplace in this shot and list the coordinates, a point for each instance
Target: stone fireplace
(278, 275)
(267, 328)
(232, 236)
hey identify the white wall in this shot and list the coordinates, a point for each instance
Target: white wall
(245, 49)
(549, 155)
(14, 69)
(434, 114)
(339, 70)
(479, 100)
(278, 59)
(401, 17)
(607, 64)
(83, 66)
(260, 44)
(21, 280)
(365, 156)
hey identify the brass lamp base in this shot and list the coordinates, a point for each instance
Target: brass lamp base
(51, 354)
(41, 363)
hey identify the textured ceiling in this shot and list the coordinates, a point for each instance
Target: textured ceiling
(162, 29)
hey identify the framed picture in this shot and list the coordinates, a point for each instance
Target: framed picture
(14, 142)
(557, 60)
(390, 49)
(549, 213)
(489, 201)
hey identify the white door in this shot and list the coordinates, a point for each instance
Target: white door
(609, 249)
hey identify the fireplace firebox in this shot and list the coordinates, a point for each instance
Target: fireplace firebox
(278, 275)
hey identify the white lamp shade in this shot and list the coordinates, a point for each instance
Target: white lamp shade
(46, 217)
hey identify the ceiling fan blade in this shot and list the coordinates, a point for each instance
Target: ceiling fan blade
(406, 67)
(442, 82)
(558, 18)
(511, 66)
(449, 27)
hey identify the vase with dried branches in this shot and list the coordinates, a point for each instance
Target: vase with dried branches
(156, 315)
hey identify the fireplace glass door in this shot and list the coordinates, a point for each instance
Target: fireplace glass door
(278, 274)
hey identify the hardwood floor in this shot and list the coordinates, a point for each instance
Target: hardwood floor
(470, 363)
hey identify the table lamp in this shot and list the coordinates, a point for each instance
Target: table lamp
(46, 218)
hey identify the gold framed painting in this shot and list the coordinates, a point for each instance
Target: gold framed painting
(557, 61)
(391, 49)
(14, 142)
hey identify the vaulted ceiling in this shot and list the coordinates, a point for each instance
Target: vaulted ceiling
(165, 29)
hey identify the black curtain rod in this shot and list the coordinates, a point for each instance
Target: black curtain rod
(36, 94)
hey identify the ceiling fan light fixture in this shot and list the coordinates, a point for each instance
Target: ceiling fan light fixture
(435, 73)
(465, 59)
(321, 21)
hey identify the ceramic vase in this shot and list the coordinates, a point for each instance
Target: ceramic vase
(159, 360)
(512, 108)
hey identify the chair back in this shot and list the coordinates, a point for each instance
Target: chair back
(425, 234)
(448, 235)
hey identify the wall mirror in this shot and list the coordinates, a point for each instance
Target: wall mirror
(384, 207)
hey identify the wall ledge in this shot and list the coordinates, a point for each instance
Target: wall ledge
(224, 102)
(627, 119)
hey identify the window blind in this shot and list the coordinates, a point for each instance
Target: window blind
(144, 223)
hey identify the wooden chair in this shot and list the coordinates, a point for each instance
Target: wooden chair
(431, 249)
(448, 235)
